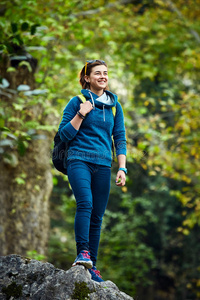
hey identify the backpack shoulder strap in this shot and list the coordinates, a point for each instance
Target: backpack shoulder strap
(114, 110)
(82, 98)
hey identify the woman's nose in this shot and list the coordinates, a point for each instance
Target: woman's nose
(103, 75)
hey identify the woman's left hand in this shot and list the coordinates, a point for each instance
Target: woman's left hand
(120, 178)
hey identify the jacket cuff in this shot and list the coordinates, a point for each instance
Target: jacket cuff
(68, 132)
(120, 151)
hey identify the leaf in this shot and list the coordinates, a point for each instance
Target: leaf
(4, 83)
(39, 48)
(15, 119)
(11, 69)
(20, 180)
(55, 180)
(142, 110)
(14, 27)
(24, 26)
(18, 40)
(22, 147)
(6, 142)
(36, 92)
(18, 57)
(11, 159)
(4, 129)
(39, 137)
(23, 87)
(18, 106)
(33, 28)
(27, 64)
(12, 136)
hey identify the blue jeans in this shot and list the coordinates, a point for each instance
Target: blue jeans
(90, 184)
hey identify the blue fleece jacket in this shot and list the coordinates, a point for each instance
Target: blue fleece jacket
(93, 141)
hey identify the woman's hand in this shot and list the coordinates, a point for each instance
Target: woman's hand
(85, 108)
(120, 178)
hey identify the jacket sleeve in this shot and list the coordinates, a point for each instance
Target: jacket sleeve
(119, 132)
(66, 131)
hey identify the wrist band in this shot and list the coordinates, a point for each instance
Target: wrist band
(123, 169)
(80, 115)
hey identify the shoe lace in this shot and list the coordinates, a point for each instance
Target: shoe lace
(97, 272)
(86, 254)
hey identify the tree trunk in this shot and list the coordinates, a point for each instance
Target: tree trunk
(26, 183)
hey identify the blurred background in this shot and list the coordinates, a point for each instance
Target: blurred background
(150, 240)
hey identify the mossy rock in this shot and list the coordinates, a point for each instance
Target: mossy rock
(81, 291)
(12, 290)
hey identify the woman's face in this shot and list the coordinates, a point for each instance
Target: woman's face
(98, 79)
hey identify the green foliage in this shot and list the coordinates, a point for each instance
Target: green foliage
(21, 179)
(34, 255)
(123, 243)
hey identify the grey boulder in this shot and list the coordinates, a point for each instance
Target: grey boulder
(23, 278)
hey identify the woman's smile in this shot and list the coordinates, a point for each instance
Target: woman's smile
(98, 79)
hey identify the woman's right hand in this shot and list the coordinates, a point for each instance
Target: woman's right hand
(85, 108)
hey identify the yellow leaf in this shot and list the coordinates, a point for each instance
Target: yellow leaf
(186, 231)
(179, 229)
(162, 125)
(185, 199)
(160, 2)
(198, 282)
(143, 95)
(186, 179)
(152, 173)
(124, 189)
(144, 166)
(158, 169)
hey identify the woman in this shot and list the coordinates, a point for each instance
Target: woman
(89, 127)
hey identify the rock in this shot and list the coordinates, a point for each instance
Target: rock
(22, 278)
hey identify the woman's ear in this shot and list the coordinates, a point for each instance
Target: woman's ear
(86, 77)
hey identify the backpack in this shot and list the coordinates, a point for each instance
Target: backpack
(60, 148)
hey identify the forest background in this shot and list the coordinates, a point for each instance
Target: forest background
(150, 236)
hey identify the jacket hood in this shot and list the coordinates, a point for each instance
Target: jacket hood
(108, 99)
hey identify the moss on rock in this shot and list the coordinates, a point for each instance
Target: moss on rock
(12, 290)
(81, 291)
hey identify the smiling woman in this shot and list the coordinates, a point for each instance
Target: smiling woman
(89, 127)
(98, 79)
(99, 67)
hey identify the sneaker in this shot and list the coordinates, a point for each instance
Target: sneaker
(83, 259)
(95, 274)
